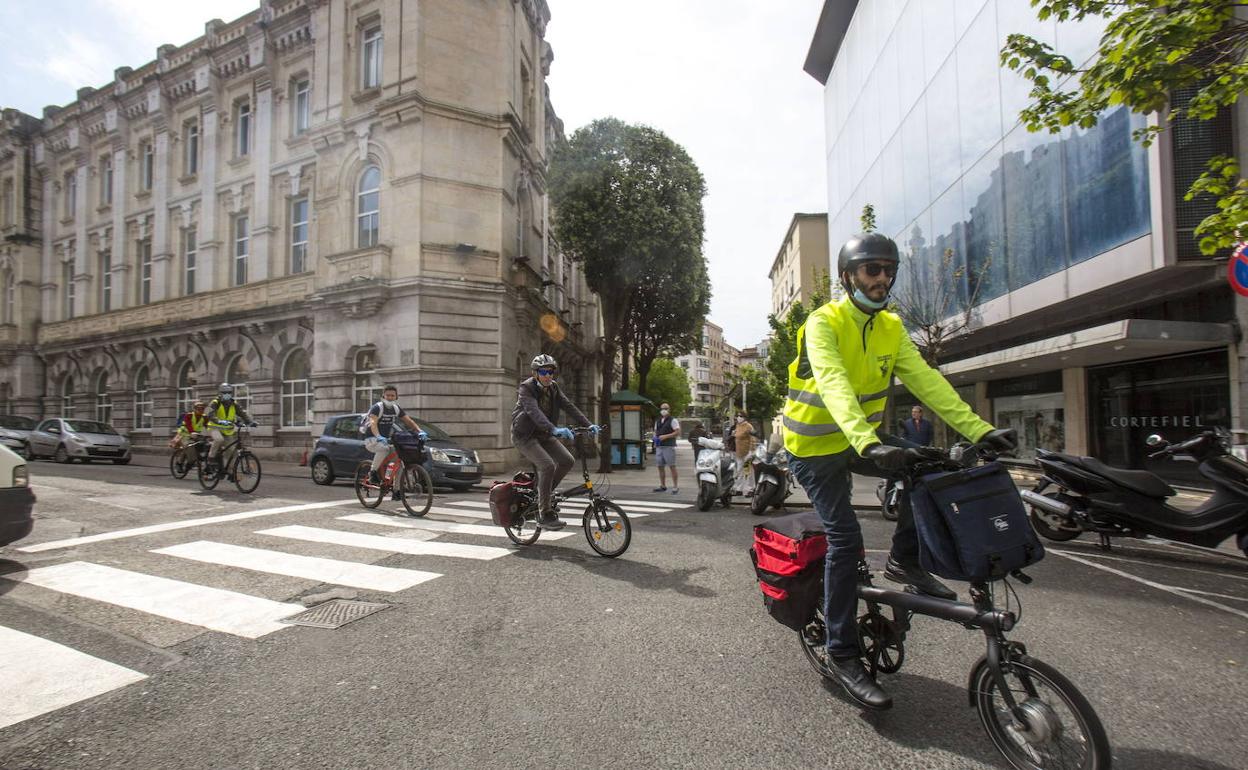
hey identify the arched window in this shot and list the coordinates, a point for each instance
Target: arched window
(8, 299)
(186, 388)
(67, 397)
(367, 386)
(368, 208)
(103, 401)
(237, 375)
(142, 400)
(296, 391)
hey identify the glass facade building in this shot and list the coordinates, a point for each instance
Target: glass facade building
(923, 125)
(1096, 321)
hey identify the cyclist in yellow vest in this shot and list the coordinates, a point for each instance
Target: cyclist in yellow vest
(848, 352)
(222, 414)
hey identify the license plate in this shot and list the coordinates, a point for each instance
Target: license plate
(468, 468)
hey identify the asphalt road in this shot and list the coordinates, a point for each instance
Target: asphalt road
(548, 656)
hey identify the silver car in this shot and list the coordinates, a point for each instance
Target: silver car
(15, 433)
(66, 440)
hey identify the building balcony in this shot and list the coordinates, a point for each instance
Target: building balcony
(172, 312)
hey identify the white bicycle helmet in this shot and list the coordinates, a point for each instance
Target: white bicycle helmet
(543, 361)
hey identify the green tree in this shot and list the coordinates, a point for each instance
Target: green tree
(668, 321)
(784, 331)
(1150, 49)
(763, 399)
(667, 382)
(627, 202)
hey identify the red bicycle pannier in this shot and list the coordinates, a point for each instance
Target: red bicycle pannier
(788, 555)
(503, 504)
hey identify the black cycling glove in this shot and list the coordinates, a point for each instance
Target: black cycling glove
(1001, 439)
(889, 458)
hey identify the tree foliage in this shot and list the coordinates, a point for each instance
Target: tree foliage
(784, 331)
(668, 382)
(763, 399)
(627, 203)
(667, 321)
(1150, 48)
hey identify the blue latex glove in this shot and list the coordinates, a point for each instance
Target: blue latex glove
(563, 433)
(595, 430)
(381, 439)
(420, 434)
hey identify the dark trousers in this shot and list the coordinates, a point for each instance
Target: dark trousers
(552, 461)
(827, 481)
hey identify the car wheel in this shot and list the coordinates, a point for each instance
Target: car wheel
(62, 455)
(322, 471)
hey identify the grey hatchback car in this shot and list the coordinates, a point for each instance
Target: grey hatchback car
(15, 433)
(340, 448)
(66, 440)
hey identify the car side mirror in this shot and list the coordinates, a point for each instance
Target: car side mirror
(1155, 441)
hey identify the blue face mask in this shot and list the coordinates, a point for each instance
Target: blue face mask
(865, 301)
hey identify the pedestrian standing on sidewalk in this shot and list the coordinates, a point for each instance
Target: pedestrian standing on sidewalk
(743, 433)
(666, 431)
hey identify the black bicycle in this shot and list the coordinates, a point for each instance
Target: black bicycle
(1034, 715)
(607, 528)
(243, 468)
(188, 456)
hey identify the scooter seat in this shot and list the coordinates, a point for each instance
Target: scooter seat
(1140, 481)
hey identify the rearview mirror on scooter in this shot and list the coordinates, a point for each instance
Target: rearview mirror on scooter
(1156, 441)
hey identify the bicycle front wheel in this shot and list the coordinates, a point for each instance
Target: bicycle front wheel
(1058, 728)
(247, 472)
(417, 490)
(368, 494)
(607, 528)
(208, 478)
(179, 464)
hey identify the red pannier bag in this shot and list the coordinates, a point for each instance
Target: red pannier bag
(788, 554)
(505, 503)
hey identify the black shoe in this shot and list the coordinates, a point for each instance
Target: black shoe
(374, 479)
(852, 675)
(550, 520)
(918, 577)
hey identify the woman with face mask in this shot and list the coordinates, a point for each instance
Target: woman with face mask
(743, 433)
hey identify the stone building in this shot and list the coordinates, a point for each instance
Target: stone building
(800, 262)
(307, 202)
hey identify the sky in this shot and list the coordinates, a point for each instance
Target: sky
(721, 77)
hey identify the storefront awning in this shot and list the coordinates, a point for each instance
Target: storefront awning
(1106, 344)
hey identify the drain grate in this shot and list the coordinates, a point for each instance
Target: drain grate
(334, 614)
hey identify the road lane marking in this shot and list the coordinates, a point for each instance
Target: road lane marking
(1158, 565)
(1151, 584)
(653, 503)
(569, 503)
(38, 676)
(469, 513)
(1211, 593)
(343, 573)
(448, 527)
(172, 525)
(389, 544)
(213, 608)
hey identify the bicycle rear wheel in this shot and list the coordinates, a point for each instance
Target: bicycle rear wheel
(368, 494)
(417, 490)
(607, 528)
(524, 529)
(247, 472)
(814, 638)
(1059, 728)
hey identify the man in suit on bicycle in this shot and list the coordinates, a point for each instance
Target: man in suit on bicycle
(381, 419)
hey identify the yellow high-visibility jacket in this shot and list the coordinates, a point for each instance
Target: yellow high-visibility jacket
(838, 383)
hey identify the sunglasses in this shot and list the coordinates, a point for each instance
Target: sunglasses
(874, 269)
(548, 372)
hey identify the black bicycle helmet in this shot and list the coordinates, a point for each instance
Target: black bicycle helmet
(866, 247)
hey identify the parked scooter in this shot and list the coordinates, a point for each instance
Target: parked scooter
(773, 483)
(1082, 494)
(716, 473)
(888, 492)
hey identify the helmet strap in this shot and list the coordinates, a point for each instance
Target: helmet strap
(865, 303)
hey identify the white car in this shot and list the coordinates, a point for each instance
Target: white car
(16, 498)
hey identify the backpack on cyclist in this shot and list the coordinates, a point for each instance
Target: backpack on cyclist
(788, 555)
(365, 425)
(972, 524)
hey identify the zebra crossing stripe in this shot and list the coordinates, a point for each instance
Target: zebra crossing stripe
(343, 573)
(448, 527)
(388, 544)
(565, 514)
(213, 608)
(654, 504)
(38, 676)
(137, 531)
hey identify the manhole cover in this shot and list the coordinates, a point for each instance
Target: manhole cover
(334, 614)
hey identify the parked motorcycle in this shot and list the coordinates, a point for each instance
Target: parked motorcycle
(888, 492)
(716, 473)
(773, 483)
(1082, 494)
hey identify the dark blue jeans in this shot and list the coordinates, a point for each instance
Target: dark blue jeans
(826, 479)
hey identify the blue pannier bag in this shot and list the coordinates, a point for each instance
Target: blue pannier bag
(972, 525)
